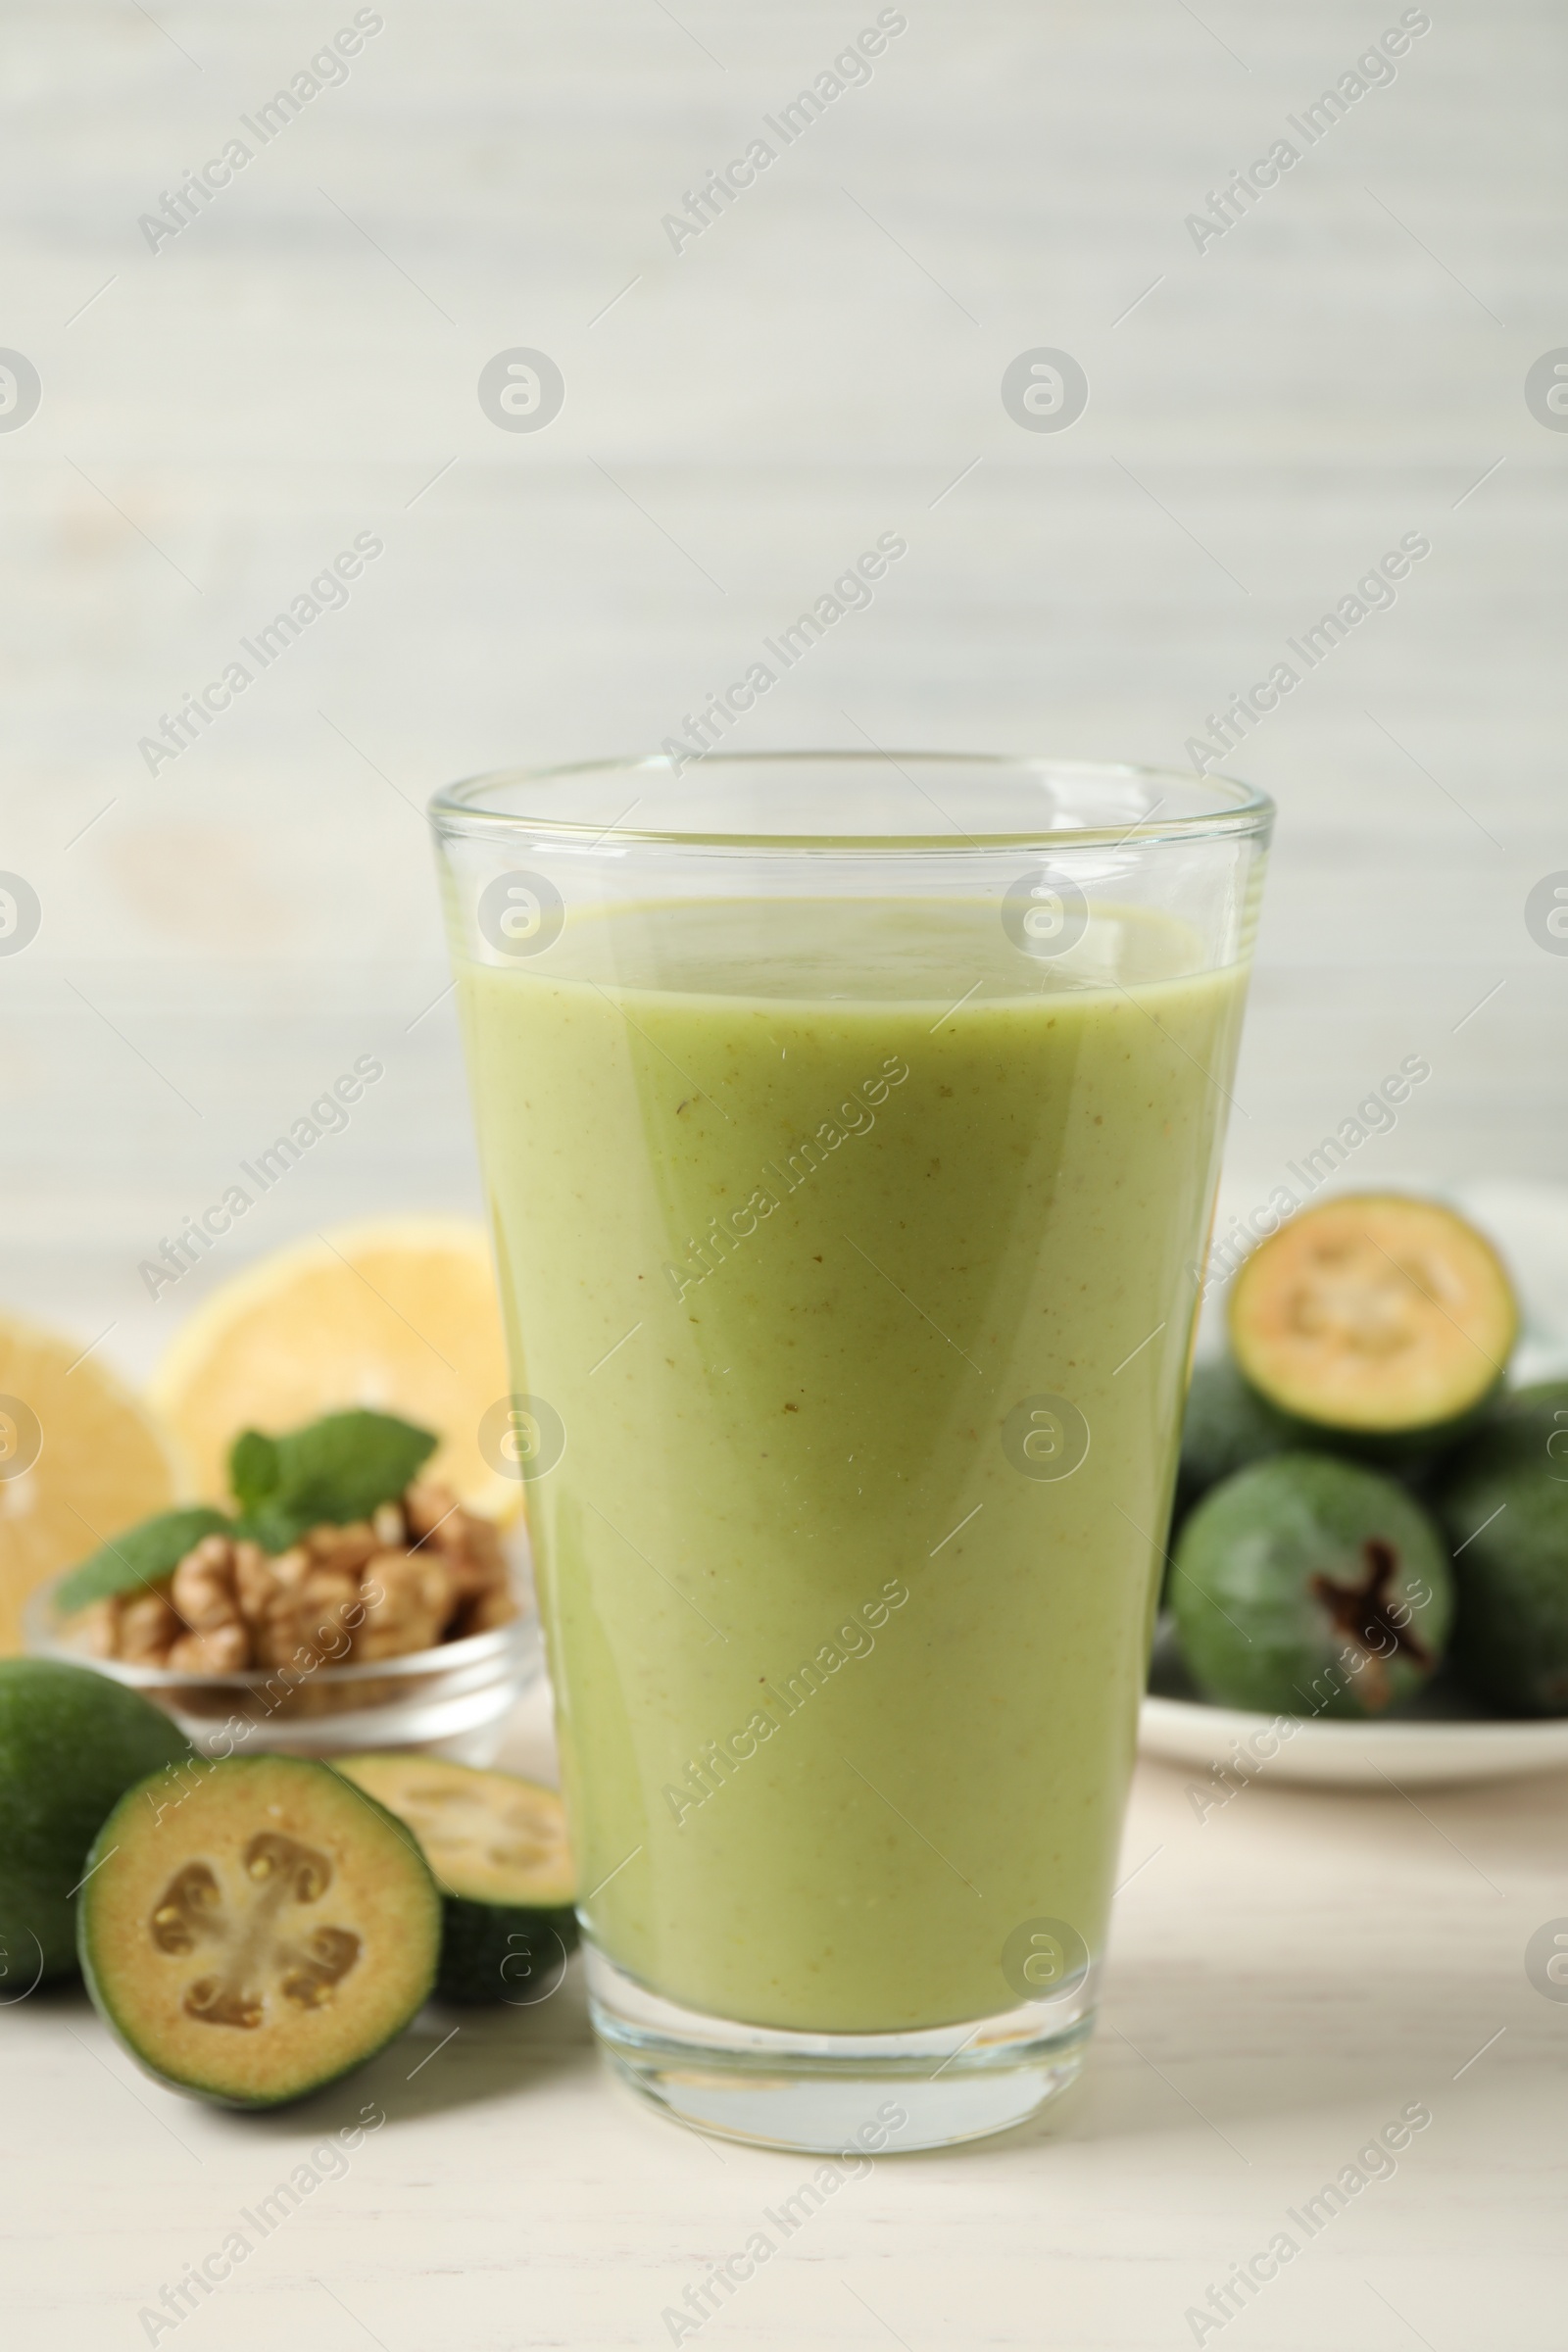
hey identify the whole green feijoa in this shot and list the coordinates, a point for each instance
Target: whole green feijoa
(1502, 1496)
(1227, 1425)
(1310, 1586)
(71, 1742)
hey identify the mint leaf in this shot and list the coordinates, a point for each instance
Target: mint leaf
(275, 1528)
(346, 1463)
(253, 1469)
(143, 1554)
(337, 1469)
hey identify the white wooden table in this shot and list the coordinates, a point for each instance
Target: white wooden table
(1289, 1975)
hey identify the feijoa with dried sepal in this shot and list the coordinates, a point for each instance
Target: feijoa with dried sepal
(499, 1847)
(257, 1932)
(1310, 1586)
(1502, 1496)
(1377, 1318)
(70, 1743)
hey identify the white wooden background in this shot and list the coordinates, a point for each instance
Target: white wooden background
(299, 366)
(226, 413)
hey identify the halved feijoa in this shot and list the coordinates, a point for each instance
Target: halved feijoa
(1503, 1500)
(499, 1848)
(70, 1743)
(258, 1934)
(1309, 1586)
(1376, 1316)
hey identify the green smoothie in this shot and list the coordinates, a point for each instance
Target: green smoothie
(802, 1209)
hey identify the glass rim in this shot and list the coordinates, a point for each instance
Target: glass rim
(1236, 808)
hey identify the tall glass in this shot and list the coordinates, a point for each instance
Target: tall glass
(851, 1127)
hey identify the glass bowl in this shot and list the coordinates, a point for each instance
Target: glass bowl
(450, 1701)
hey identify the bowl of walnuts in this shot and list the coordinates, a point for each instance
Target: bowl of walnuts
(347, 1602)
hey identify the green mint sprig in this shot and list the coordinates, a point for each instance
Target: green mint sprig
(337, 1468)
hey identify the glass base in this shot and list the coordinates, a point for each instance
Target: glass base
(849, 2094)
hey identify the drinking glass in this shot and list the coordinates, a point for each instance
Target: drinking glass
(850, 1126)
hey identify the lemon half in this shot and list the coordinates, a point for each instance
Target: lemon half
(80, 1459)
(399, 1315)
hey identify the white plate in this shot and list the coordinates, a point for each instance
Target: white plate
(1530, 1223)
(1346, 1755)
